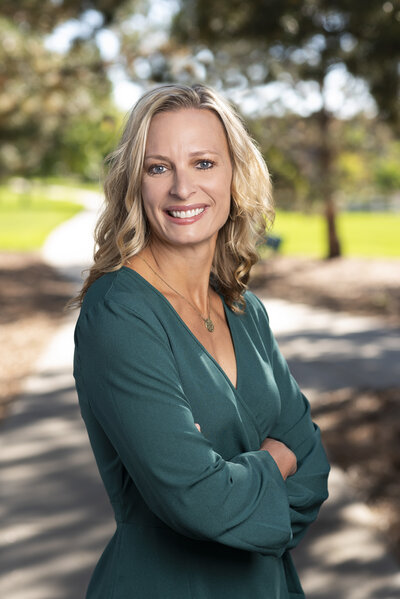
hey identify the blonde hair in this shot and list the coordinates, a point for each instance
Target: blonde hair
(122, 229)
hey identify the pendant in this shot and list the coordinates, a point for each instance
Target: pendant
(209, 324)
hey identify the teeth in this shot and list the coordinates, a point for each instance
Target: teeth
(186, 213)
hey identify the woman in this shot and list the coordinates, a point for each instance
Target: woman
(203, 439)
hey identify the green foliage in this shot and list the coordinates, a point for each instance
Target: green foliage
(365, 161)
(27, 216)
(353, 169)
(363, 234)
(289, 145)
(48, 99)
(387, 168)
(298, 41)
(81, 147)
(387, 175)
(43, 15)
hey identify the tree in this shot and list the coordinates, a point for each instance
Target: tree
(297, 42)
(44, 92)
(42, 16)
(367, 165)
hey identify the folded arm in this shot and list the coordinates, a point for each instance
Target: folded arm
(307, 488)
(132, 385)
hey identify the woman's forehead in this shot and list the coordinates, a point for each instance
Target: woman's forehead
(189, 126)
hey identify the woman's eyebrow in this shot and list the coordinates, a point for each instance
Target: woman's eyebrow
(196, 153)
(158, 156)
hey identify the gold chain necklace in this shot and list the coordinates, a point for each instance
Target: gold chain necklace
(207, 321)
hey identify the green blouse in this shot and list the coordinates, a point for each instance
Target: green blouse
(199, 515)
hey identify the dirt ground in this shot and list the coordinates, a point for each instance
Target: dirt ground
(33, 296)
(362, 286)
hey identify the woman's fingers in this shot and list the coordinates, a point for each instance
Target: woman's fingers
(198, 426)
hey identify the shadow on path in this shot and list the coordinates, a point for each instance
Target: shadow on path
(328, 351)
(55, 514)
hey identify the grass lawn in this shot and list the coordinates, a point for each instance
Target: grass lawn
(26, 218)
(28, 215)
(361, 234)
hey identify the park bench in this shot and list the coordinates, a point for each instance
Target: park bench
(271, 241)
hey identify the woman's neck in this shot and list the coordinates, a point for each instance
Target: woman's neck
(185, 270)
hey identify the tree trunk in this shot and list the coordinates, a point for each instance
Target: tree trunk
(327, 187)
(334, 249)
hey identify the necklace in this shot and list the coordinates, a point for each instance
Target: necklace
(207, 321)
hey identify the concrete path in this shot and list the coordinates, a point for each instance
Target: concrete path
(55, 516)
(69, 247)
(330, 350)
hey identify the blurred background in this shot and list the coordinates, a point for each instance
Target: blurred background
(317, 83)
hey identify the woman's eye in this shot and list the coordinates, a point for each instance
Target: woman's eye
(205, 164)
(156, 169)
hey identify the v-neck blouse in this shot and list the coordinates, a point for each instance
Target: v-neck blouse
(200, 515)
(226, 310)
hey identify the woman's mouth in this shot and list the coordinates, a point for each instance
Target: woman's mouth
(185, 213)
(185, 216)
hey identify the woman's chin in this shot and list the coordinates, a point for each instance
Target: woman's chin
(188, 239)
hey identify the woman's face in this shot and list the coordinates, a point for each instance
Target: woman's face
(186, 183)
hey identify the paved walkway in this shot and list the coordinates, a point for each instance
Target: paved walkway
(55, 516)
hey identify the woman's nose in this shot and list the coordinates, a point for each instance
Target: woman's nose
(183, 185)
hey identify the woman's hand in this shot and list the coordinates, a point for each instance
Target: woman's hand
(284, 457)
(198, 426)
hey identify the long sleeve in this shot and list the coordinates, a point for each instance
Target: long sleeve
(128, 376)
(307, 488)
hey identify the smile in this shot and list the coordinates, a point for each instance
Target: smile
(185, 213)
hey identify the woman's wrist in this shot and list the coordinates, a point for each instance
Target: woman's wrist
(284, 457)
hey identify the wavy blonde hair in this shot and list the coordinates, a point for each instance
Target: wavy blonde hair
(122, 229)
